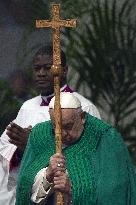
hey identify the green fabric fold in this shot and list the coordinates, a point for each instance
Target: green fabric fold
(98, 165)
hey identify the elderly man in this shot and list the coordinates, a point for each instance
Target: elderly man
(95, 167)
(32, 112)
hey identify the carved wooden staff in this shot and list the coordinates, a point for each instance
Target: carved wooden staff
(56, 23)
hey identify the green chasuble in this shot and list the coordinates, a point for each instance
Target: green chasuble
(98, 165)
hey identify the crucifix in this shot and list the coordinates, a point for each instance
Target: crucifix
(56, 23)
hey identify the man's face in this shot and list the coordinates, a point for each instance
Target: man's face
(72, 125)
(42, 74)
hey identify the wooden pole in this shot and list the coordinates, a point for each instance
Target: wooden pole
(56, 23)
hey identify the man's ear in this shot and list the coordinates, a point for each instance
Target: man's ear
(83, 117)
(51, 112)
(65, 70)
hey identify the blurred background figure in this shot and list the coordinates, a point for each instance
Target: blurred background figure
(20, 83)
(13, 91)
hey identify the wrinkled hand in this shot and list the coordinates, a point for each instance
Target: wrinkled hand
(62, 183)
(55, 160)
(18, 135)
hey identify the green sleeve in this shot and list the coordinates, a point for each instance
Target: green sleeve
(115, 177)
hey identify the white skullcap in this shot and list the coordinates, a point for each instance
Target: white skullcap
(67, 100)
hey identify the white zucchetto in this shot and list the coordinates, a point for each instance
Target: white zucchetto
(67, 100)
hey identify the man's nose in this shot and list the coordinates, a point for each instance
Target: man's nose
(64, 133)
(42, 71)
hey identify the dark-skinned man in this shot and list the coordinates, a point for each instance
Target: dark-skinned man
(33, 111)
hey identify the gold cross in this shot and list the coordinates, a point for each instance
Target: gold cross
(56, 23)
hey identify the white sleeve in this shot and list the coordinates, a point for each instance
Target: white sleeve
(41, 187)
(6, 153)
(6, 148)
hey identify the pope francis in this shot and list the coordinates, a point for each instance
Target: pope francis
(93, 169)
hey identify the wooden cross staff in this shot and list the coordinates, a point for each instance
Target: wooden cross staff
(56, 23)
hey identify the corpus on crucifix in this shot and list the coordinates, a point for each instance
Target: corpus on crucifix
(55, 24)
